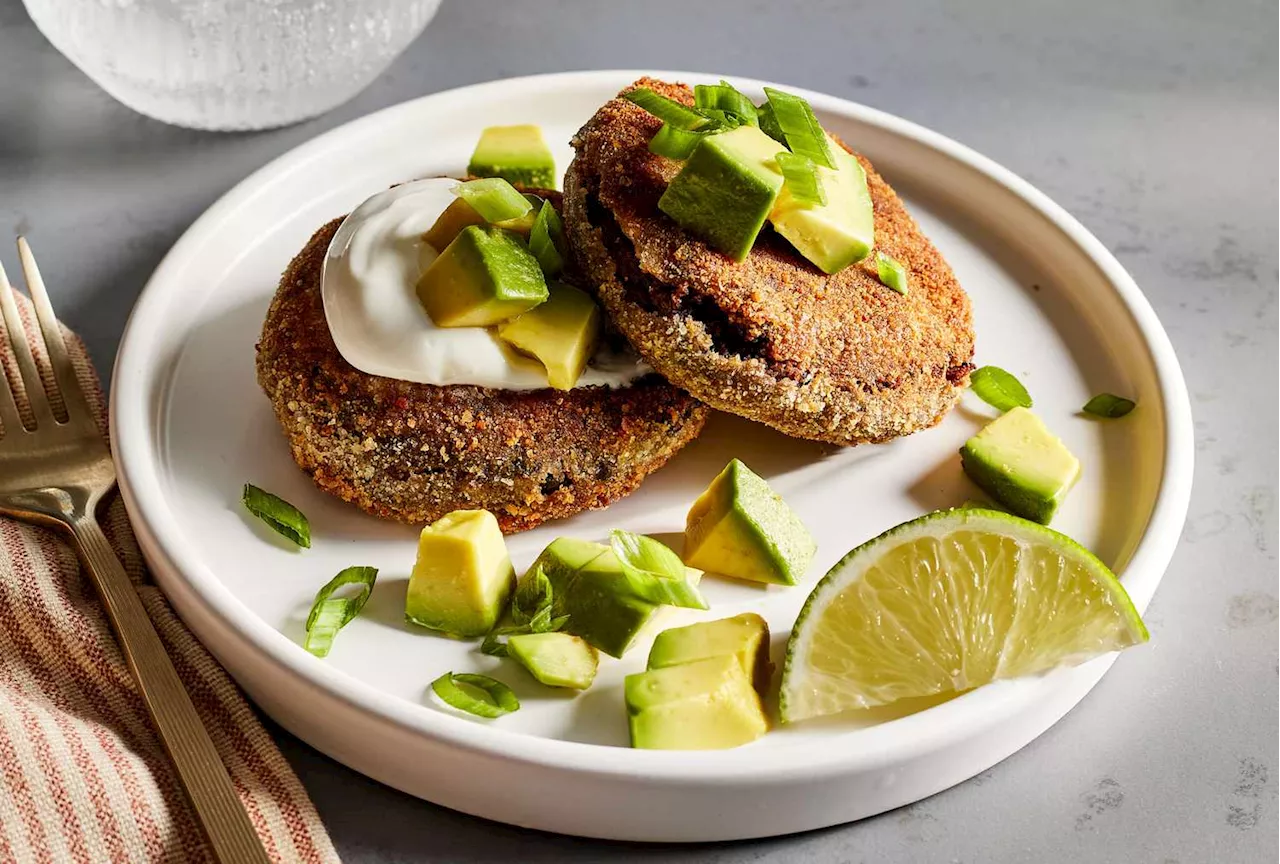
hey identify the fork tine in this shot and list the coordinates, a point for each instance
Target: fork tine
(22, 351)
(10, 419)
(56, 348)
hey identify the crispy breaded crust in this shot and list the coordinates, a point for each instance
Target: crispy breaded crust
(413, 452)
(839, 358)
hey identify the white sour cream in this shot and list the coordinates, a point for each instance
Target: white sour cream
(370, 271)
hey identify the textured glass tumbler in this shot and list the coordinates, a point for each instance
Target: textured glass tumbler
(231, 64)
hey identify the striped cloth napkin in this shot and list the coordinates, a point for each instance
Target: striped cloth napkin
(83, 776)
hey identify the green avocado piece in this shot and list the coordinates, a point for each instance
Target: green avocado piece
(744, 636)
(1023, 465)
(587, 584)
(484, 276)
(599, 608)
(726, 189)
(556, 659)
(449, 224)
(463, 575)
(740, 528)
(518, 154)
(704, 705)
(562, 333)
(838, 233)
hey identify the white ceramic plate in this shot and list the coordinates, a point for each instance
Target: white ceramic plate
(190, 426)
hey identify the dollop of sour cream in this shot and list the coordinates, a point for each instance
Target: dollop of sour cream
(368, 287)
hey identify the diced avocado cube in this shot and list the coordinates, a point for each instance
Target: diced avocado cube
(740, 528)
(565, 556)
(704, 705)
(744, 636)
(556, 659)
(484, 276)
(587, 585)
(562, 333)
(726, 189)
(838, 233)
(450, 223)
(1023, 465)
(463, 576)
(516, 153)
(599, 608)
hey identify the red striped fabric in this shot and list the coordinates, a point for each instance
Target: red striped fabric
(83, 777)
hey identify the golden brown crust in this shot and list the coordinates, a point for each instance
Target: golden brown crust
(413, 452)
(837, 358)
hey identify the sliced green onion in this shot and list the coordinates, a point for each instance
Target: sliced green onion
(999, 389)
(1109, 405)
(330, 614)
(800, 127)
(653, 572)
(802, 179)
(494, 645)
(676, 143)
(326, 621)
(533, 596)
(546, 239)
(530, 613)
(476, 694)
(280, 516)
(724, 97)
(722, 121)
(494, 199)
(892, 274)
(669, 111)
(769, 123)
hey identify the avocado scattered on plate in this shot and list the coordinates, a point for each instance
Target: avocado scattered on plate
(588, 585)
(1024, 466)
(463, 576)
(740, 528)
(704, 705)
(556, 659)
(744, 636)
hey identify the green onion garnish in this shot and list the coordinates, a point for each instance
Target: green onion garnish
(1109, 405)
(892, 274)
(999, 389)
(676, 143)
(546, 239)
(802, 179)
(769, 123)
(653, 572)
(326, 621)
(330, 614)
(281, 516)
(722, 121)
(494, 199)
(530, 613)
(669, 111)
(725, 98)
(800, 127)
(476, 694)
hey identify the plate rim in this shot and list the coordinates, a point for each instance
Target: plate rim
(131, 419)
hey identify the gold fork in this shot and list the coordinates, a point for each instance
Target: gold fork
(55, 475)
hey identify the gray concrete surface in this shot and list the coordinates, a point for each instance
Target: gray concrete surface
(1153, 122)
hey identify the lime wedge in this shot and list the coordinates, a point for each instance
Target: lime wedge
(946, 602)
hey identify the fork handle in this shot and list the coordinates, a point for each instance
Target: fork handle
(200, 768)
